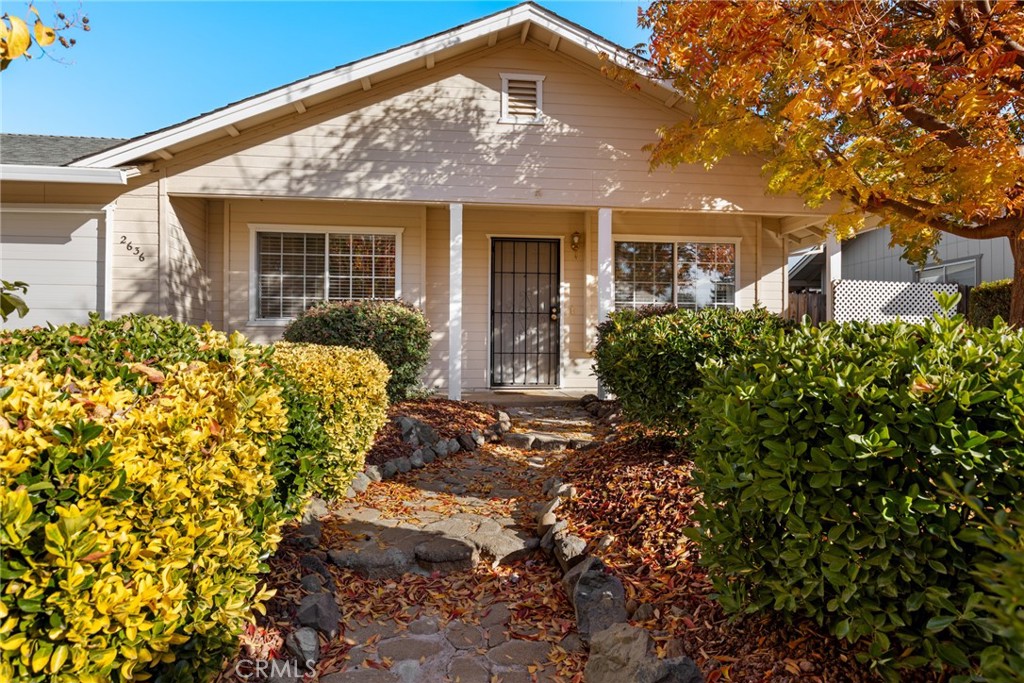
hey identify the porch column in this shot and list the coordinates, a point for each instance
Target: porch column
(833, 271)
(605, 301)
(455, 302)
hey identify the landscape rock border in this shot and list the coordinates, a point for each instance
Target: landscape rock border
(429, 447)
(618, 650)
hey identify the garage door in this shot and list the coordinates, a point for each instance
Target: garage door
(60, 256)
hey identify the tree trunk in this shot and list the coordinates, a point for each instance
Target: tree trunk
(1017, 288)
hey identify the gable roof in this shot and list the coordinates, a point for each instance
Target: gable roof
(50, 150)
(526, 20)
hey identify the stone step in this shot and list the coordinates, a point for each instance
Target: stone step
(455, 543)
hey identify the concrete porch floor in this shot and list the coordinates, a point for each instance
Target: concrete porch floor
(526, 397)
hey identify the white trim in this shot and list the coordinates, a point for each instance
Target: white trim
(605, 265)
(677, 239)
(455, 239)
(325, 229)
(63, 174)
(289, 96)
(833, 272)
(54, 208)
(563, 330)
(538, 81)
(107, 311)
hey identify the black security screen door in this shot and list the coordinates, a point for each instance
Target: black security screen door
(524, 312)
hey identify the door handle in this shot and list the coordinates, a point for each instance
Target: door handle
(554, 312)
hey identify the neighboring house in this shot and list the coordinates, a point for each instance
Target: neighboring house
(492, 175)
(868, 256)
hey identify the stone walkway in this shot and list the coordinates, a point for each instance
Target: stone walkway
(448, 553)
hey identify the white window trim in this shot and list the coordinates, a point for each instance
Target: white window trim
(675, 239)
(976, 260)
(505, 117)
(254, 319)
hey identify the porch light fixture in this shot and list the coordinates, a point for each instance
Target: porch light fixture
(574, 242)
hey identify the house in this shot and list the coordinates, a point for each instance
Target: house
(493, 175)
(868, 256)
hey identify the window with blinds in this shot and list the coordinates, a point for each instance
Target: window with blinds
(297, 269)
(522, 98)
(689, 275)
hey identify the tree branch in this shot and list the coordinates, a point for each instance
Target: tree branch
(1002, 227)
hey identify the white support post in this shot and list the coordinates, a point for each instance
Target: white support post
(455, 302)
(605, 301)
(604, 264)
(833, 272)
(108, 261)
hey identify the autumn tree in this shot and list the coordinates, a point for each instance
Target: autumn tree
(913, 111)
(17, 39)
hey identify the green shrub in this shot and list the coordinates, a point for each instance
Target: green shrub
(988, 300)
(1002, 605)
(397, 332)
(350, 386)
(136, 508)
(821, 456)
(108, 349)
(649, 358)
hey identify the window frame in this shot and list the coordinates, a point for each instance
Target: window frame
(976, 260)
(327, 231)
(675, 240)
(505, 117)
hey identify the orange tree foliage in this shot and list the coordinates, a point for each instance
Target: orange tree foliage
(17, 37)
(910, 110)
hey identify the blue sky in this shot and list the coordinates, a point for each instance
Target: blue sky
(146, 65)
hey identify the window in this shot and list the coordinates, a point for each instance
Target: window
(295, 268)
(962, 272)
(522, 98)
(689, 274)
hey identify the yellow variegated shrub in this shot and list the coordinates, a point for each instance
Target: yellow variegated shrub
(132, 525)
(351, 388)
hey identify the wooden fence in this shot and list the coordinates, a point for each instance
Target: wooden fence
(806, 303)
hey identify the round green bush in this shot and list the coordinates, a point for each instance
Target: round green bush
(833, 465)
(397, 332)
(649, 358)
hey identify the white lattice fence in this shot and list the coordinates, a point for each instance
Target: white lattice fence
(878, 302)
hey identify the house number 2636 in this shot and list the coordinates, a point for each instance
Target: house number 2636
(132, 249)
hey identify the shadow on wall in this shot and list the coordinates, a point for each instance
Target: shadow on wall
(188, 281)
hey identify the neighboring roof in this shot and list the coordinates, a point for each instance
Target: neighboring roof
(518, 21)
(49, 150)
(805, 267)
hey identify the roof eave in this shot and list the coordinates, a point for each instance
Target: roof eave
(288, 96)
(63, 174)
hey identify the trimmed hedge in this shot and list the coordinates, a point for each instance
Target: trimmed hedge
(397, 332)
(1002, 607)
(108, 349)
(137, 505)
(988, 300)
(350, 387)
(822, 454)
(649, 358)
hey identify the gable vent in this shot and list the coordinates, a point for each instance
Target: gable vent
(521, 98)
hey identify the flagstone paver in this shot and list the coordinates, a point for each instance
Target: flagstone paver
(467, 511)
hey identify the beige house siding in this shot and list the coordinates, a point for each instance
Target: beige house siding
(437, 138)
(216, 239)
(245, 213)
(188, 280)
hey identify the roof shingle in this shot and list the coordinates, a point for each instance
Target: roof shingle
(49, 150)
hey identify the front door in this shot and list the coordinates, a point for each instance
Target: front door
(525, 312)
